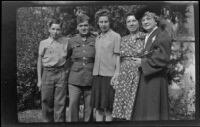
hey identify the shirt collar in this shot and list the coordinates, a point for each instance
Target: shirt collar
(104, 35)
(87, 35)
(152, 31)
(51, 40)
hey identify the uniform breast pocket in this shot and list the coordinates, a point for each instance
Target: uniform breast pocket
(76, 46)
(91, 44)
(90, 49)
(76, 49)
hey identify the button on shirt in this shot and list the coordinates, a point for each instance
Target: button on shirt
(107, 46)
(81, 48)
(53, 52)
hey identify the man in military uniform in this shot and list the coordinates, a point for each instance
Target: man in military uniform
(82, 50)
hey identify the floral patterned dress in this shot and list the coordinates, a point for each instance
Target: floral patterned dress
(127, 83)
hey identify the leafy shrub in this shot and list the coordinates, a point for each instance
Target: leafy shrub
(182, 89)
(32, 28)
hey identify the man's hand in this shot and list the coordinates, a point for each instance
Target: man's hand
(39, 84)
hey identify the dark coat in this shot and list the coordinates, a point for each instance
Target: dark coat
(152, 95)
(81, 72)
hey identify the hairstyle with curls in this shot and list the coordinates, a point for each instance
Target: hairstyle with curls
(160, 20)
(54, 21)
(131, 14)
(136, 17)
(103, 12)
(153, 15)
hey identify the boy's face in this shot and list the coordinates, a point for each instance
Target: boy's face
(55, 31)
(83, 28)
(148, 23)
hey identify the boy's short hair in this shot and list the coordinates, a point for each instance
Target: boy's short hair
(54, 21)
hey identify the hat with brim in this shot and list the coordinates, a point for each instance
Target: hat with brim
(150, 10)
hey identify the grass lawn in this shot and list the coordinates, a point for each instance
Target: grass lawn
(30, 116)
(33, 116)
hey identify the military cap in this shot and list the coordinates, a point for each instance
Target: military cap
(82, 18)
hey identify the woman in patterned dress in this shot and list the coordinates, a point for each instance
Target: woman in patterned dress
(126, 83)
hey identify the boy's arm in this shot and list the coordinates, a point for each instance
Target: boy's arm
(39, 71)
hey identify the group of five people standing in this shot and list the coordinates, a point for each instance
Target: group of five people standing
(122, 78)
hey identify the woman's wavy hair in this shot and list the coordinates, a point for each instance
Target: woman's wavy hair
(103, 12)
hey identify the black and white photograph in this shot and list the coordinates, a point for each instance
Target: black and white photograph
(101, 62)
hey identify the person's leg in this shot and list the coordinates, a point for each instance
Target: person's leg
(47, 91)
(87, 107)
(108, 115)
(74, 95)
(60, 97)
(99, 115)
(110, 99)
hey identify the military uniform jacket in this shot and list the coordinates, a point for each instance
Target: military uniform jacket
(79, 48)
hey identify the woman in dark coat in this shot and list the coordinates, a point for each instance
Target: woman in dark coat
(152, 96)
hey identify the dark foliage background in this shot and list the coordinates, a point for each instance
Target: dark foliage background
(32, 28)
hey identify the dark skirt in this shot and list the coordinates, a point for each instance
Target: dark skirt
(102, 93)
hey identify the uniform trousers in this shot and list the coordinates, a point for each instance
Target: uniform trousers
(74, 99)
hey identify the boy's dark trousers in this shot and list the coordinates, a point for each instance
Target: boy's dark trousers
(54, 94)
